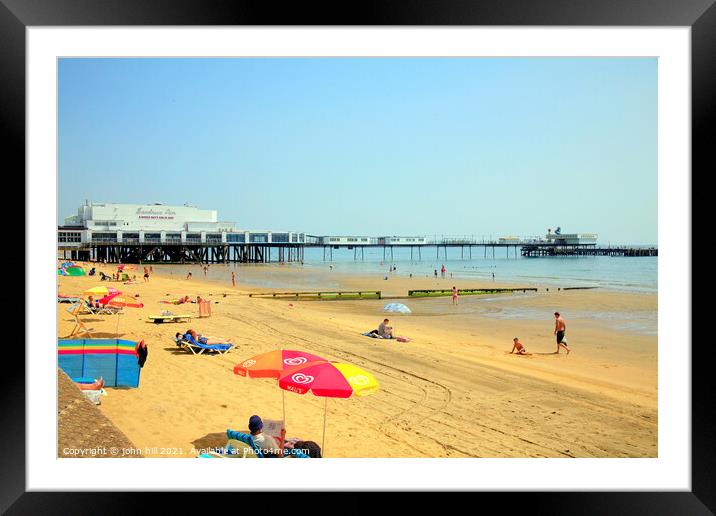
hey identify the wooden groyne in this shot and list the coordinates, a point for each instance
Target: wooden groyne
(466, 292)
(323, 295)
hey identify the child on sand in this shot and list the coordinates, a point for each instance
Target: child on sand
(517, 345)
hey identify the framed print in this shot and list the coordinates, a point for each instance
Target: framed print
(439, 247)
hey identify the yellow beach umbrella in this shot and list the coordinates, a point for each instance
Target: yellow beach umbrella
(101, 291)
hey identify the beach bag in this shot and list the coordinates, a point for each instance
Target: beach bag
(93, 396)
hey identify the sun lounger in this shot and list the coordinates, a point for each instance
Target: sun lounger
(68, 299)
(158, 319)
(108, 310)
(80, 328)
(188, 342)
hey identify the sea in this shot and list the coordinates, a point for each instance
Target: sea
(634, 274)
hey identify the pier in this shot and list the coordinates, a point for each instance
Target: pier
(488, 249)
(539, 250)
(165, 253)
(269, 252)
(162, 234)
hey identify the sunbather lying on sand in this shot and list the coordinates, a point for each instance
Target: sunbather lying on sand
(95, 386)
(179, 301)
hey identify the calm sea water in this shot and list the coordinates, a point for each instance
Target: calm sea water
(612, 273)
(616, 273)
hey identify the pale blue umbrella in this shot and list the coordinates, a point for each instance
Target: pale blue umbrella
(398, 308)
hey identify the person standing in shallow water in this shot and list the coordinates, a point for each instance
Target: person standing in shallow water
(559, 328)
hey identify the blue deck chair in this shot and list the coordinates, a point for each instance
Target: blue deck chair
(191, 344)
(247, 439)
(243, 438)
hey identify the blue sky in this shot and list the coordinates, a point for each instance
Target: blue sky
(481, 146)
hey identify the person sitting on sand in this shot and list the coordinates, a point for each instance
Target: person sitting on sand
(517, 345)
(384, 331)
(266, 443)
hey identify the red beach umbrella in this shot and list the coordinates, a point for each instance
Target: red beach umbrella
(274, 363)
(328, 380)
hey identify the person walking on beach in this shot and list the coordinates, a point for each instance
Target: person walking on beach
(188, 276)
(559, 328)
(206, 269)
(233, 278)
(454, 295)
(146, 274)
(442, 271)
(436, 273)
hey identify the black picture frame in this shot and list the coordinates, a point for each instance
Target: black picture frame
(700, 15)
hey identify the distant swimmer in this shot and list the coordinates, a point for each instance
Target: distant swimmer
(518, 348)
(559, 328)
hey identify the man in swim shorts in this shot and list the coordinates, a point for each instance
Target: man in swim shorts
(559, 328)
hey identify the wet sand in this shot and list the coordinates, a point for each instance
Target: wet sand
(453, 391)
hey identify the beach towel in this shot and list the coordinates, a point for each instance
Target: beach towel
(376, 336)
(216, 346)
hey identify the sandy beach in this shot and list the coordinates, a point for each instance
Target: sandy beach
(452, 391)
